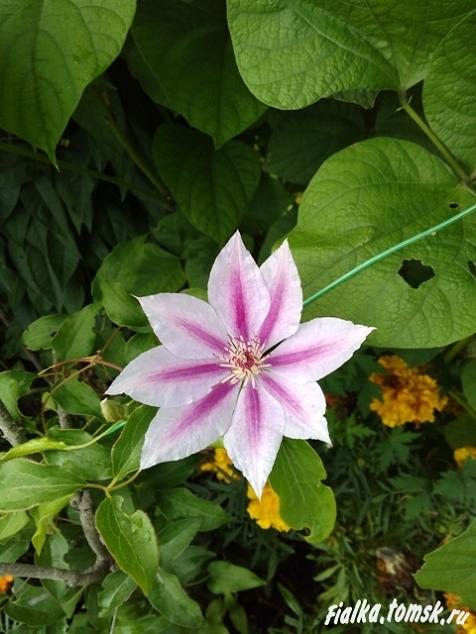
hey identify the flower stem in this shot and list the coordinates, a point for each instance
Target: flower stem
(113, 486)
(70, 577)
(383, 254)
(440, 146)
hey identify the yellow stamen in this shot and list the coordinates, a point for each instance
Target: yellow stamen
(244, 359)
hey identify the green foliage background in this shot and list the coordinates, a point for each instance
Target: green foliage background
(135, 139)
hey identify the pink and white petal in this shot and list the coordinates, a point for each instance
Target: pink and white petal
(237, 291)
(318, 348)
(304, 405)
(157, 377)
(178, 432)
(255, 435)
(282, 279)
(186, 325)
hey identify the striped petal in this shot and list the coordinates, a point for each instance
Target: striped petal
(255, 435)
(186, 325)
(304, 405)
(157, 377)
(318, 348)
(237, 291)
(178, 432)
(282, 279)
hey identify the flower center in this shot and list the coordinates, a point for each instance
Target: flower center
(244, 359)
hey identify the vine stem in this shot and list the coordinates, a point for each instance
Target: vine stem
(12, 431)
(70, 577)
(93, 359)
(440, 146)
(383, 254)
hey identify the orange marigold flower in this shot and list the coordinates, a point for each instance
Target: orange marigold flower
(266, 511)
(221, 465)
(5, 583)
(453, 601)
(462, 454)
(408, 395)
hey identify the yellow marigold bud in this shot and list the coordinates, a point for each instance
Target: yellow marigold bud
(221, 465)
(266, 510)
(408, 395)
(462, 454)
(5, 583)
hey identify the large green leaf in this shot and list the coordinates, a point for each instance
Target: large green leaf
(179, 503)
(135, 267)
(43, 516)
(32, 446)
(170, 599)
(24, 484)
(89, 463)
(116, 590)
(365, 199)
(211, 187)
(199, 255)
(452, 567)
(226, 578)
(303, 140)
(127, 448)
(130, 539)
(12, 523)
(293, 52)
(75, 337)
(33, 605)
(190, 41)
(38, 335)
(449, 93)
(14, 384)
(269, 203)
(76, 397)
(50, 52)
(304, 502)
(175, 537)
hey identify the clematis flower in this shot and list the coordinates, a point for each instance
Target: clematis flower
(238, 367)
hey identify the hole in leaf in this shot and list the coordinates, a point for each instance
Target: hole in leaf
(415, 272)
(472, 268)
(453, 205)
